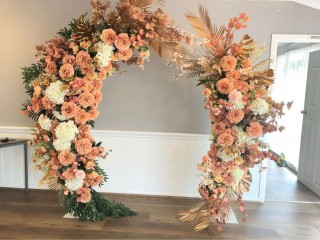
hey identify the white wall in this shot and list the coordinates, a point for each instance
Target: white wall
(140, 163)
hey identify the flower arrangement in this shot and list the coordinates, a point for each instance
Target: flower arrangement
(65, 89)
(240, 110)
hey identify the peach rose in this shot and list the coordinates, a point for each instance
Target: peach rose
(80, 174)
(246, 63)
(125, 55)
(235, 96)
(98, 97)
(66, 157)
(84, 195)
(81, 117)
(218, 127)
(224, 86)
(86, 99)
(228, 63)
(235, 116)
(51, 68)
(108, 36)
(242, 86)
(225, 139)
(235, 75)
(207, 92)
(97, 85)
(66, 71)
(90, 165)
(122, 42)
(69, 109)
(83, 58)
(83, 146)
(254, 130)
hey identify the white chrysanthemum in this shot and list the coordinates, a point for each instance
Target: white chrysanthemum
(260, 106)
(66, 131)
(58, 116)
(226, 154)
(74, 184)
(104, 54)
(44, 122)
(61, 144)
(242, 136)
(237, 174)
(56, 92)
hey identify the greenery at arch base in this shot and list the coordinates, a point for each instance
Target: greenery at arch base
(65, 91)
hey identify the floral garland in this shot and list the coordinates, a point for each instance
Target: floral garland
(241, 111)
(65, 90)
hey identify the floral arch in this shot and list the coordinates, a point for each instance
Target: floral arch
(65, 90)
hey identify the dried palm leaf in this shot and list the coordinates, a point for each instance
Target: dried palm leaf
(205, 17)
(259, 49)
(168, 49)
(53, 184)
(262, 64)
(199, 25)
(144, 4)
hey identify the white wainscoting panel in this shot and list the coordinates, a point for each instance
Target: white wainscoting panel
(140, 163)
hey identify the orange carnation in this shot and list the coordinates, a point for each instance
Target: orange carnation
(225, 139)
(86, 99)
(69, 109)
(235, 116)
(228, 63)
(108, 36)
(66, 71)
(83, 146)
(123, 42)
(66, 157)
(255, 130)
(224, 86)
(83, 58)
(81, 117)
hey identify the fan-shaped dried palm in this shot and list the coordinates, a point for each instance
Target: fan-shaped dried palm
(53, 184)
(144, 4)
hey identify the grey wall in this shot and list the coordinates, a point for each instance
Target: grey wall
(134, 100)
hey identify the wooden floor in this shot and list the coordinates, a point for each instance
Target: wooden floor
(37, 215)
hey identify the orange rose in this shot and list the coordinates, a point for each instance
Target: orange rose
(224, 86)
(66, 158)
(228, 63)
(66, 71)
(83, 146)
(235, 116)
(225, 139)
(108, 36)
(122, 42)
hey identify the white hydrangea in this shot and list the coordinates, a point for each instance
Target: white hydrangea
(56, 92)
(104, 54)
(242, 136)
(44, 122)
(238, 105)
(74, 184)
(237, 174)
(260, 106)
(66, 131)
(61, 144)
(58, 116)
(225, 154)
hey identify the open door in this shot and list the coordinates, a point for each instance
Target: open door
(309, 162)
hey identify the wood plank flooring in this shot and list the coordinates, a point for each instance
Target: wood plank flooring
(37, 215)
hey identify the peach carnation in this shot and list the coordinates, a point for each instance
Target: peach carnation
(242, 86)
(83, 146)
(66, 157)
(69, 109)
(93, 113)
(68, 59)
(51, 68)
(218, 127)
(84, 195)
(66, 71)
(80, 174)
(225, 139)
(122, 42)
(81, 117)
(207, 92)
(86, 99)
(235, 116)
(235, 75)
(108, 36)
(228, 63)
(125, 55)
(224, 86)
(83, 58)
(246, 63)
(254, 130)
(98, 97)
(46, 103)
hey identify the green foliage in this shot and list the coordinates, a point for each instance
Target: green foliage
(101, 172)
(33, 115)
(67, 32)
(97, 209)
(91, 123)
(29, 74)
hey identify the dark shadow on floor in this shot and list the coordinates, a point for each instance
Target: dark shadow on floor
(282, 185)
